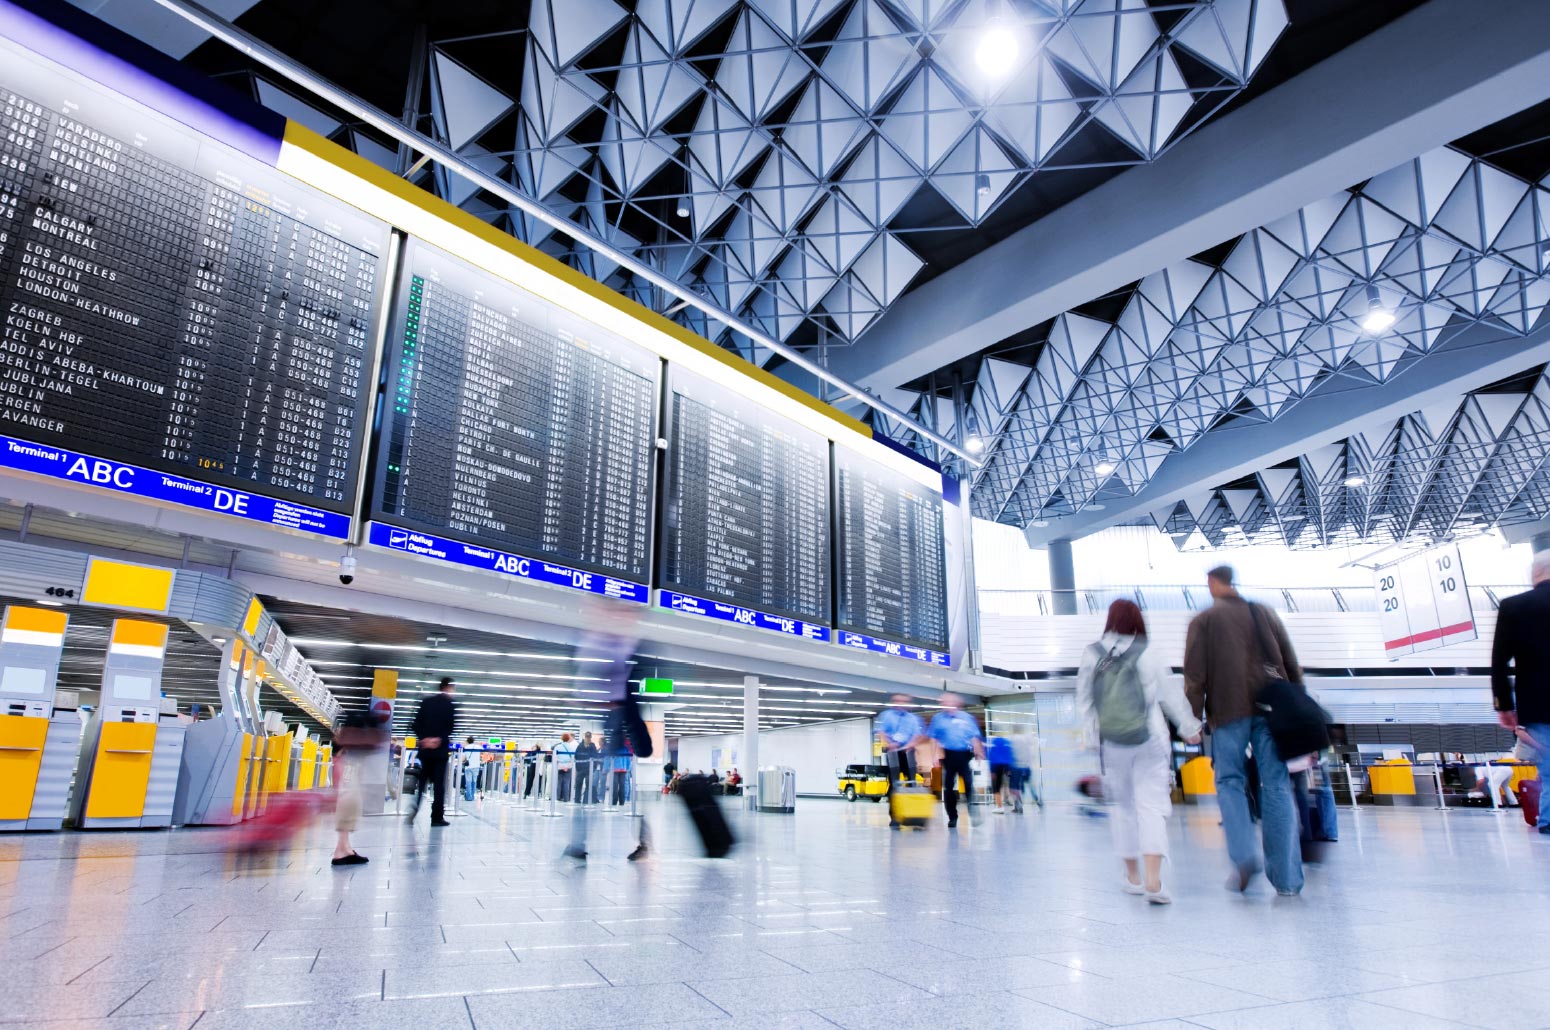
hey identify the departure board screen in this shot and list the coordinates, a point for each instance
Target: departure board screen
(178, 305)
(891, 553)
(746, 520)
(510, 423)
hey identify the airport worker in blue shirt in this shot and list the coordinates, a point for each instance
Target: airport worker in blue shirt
(961, 741)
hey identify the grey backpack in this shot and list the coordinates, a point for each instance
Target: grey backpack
(1118, 697)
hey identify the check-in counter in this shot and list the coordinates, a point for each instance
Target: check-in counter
(1392, 782)
(40, 728)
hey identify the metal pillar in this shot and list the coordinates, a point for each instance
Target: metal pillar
(751, 741)
(1062, 577)
(1542, 542)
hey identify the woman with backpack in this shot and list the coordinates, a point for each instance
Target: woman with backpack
(1124, 690)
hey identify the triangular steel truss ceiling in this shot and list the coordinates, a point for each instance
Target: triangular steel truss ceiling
(1450, 471)
(1441, 243)
(792, 133)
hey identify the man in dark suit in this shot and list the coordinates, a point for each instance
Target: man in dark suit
(433, 726)
(1520, 669)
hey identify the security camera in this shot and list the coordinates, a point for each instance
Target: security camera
(347, 568)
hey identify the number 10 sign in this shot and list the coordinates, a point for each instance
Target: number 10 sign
(1423, 602)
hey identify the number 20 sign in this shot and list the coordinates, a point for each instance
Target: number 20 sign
(1423, 602)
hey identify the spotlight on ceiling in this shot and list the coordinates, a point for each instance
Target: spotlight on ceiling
(1378, 318)
(996, 52)
(436, 639)
(683, 209)
(1353, 482)
(1040, 523)
(982, 185)
(1104, 468)
(975, 444)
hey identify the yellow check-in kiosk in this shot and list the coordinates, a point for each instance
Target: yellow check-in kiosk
(218, 755)
(39, 736)
(304, 761)
(326, 766)
(127, 774)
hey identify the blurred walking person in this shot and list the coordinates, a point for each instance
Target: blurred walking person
(961, 740)
(1001, 759)
(899, 730)
(357, 739)
(433, 727)
(1520, 670)
(1123, 690)
(1225, 668)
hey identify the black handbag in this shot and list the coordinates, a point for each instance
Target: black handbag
(1298, 724)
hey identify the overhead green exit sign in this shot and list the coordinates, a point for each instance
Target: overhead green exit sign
(656, 685)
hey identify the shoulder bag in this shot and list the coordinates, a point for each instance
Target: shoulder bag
(1299, 725)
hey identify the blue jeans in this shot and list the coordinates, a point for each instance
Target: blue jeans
(1541, 734)
(1278, 815)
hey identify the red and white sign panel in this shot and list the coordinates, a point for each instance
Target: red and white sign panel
(1423, 602)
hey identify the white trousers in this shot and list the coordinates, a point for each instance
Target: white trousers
(1135, 779)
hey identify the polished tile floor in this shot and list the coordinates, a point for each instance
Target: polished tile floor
(1417, 919)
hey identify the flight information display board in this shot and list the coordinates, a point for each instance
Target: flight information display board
(511, 424)
(746, 518)
(169, 304)
(891, 558)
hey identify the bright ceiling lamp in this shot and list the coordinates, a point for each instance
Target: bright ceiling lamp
(1378, 319)
(1352, 482)
(975, 444)
(1104, 468)
(996, 52)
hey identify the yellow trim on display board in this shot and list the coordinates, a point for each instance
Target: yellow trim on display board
(122, 770)
(21, 755)
(255, 612)
(117, 584)
(311, 143)
(139, 633)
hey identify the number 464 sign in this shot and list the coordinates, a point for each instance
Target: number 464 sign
(1423, 602)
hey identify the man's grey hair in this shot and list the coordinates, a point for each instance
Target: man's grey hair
(1540, 570)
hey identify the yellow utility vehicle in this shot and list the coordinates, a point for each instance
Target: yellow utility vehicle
(864, 781)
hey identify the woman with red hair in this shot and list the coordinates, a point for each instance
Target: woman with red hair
(1125, 692)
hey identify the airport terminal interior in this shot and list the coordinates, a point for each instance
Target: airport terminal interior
(774, 514)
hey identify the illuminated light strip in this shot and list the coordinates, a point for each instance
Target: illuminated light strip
(75, 467)
(455, 552)
(893, 648)
(688, 604)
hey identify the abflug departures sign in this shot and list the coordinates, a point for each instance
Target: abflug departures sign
(515, 437)
(180, 321)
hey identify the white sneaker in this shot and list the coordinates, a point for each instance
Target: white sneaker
(1159, 896)
(1129, 886)
(1000, 810)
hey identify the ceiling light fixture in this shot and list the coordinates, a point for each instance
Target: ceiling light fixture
(1104, 468)
(683, 208)
(982, 185)
(1355, 481)
(996, 52)
(975, 444)
(1378, 318)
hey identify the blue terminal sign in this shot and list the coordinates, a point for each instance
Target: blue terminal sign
(426, 545)
(692, 605)
(892, 648)
(71, 467)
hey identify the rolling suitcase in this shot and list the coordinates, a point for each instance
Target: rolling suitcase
(1528, 800)
(910, 804)
(703, 808)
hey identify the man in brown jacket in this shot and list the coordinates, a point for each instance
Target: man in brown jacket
(1224, 670)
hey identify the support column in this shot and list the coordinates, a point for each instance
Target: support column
(1062, 577)
(751, 740)
(1542, 542)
